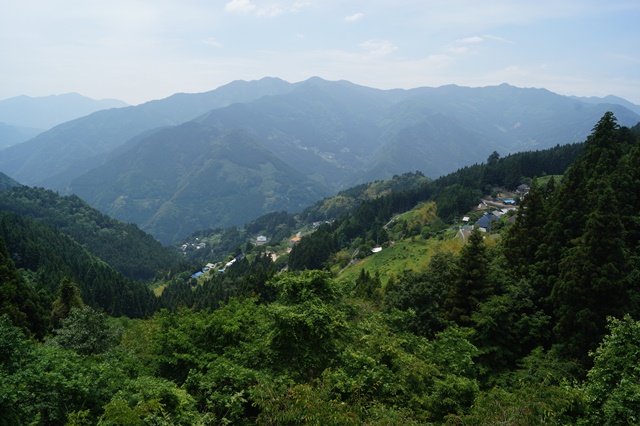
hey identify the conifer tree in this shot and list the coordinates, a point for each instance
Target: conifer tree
(471, 286)
(584, 260)
(68, 297)
(593, 282)
(521, 243)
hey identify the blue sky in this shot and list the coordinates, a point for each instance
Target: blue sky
(139, 50)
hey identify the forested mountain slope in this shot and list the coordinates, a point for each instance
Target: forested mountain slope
(69, 145)
(11, 135)
(123, 246)
(192, 177)
(342, 134)
(47, 256)
(6, 182)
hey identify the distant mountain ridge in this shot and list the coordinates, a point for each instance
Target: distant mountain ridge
(48, 111)
(155, 164)
(11, 135)
(610, 99)
(67, 146)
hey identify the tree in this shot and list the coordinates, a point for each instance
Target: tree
(68, 297)
(594, 281)
(424, 294)
(471, 285)
(86, 331)
(307, 322)
(16, 351)
(17, 300)
(367, 286)
(613, 383)
(150, 400)
(523, 238)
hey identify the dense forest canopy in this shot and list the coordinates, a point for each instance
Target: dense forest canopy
(536, 322)
(124, 246)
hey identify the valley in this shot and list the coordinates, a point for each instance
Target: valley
(225, 157)
(361, 307)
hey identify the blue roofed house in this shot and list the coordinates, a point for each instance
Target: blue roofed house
(485, 221)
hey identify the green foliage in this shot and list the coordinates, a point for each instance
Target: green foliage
(18, 300)
(15, 353)
(367, 286)
(86, 331)
(47, 257)
(528, 405)
(149, 400)
(308, 321)
(68, 298)
(472, 285)
(613, 383)
(424, 294)
(124, 246)
(494, 334)
(576, 243)
(313, 251)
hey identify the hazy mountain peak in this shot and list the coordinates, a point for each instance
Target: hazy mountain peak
(46, 112)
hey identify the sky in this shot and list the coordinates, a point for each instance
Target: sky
(140, 50)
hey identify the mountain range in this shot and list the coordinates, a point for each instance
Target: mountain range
(46, 112)
(226, 156)
(24, 117)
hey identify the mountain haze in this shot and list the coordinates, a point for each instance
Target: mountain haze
(12, 135)
(64, 149)
(189, 177)
(342, 134)
(181, 163)
(49, 111)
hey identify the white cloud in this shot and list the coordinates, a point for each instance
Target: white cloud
(473, 44)
(378, 47)
(354, 17)
(212, 42)
(459, 50)
(468, 40)
(496, 38)
(145, 49)
(246, 7)
(240, 6)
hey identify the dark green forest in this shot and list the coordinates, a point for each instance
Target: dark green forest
(129, 250)
(535, 323)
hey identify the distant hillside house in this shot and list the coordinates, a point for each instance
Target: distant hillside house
(261, 240)
(294, 241)
(485, 221)
(523, 189)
